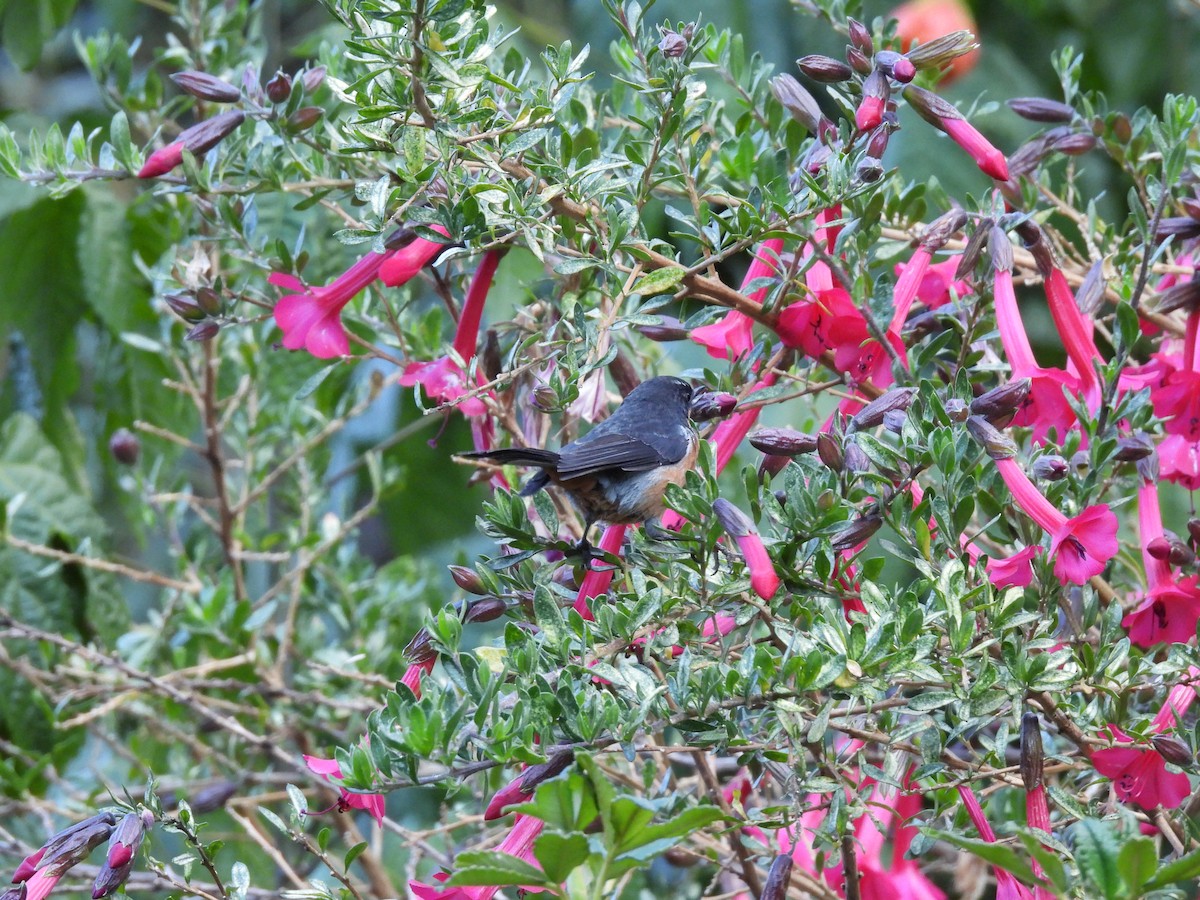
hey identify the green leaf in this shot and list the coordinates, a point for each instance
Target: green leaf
(548, 615)
(487, 867)
(354, 853)
(658, 281)
(657, 838)
(1184, 869)
(1096, 853)
(566, 803)
(989, 851)
(1136, 862)
(560, 854)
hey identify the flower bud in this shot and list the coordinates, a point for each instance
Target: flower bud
(771, 465)
(1191, 206)
(184, 306)
(1040, 109)
(995, 444)
(857, 460)
(860, 37)
(1081, 462)
(1002, 252)
(467, 579)
(206, 87)
(942, 50)
(1158, 548)
(875, 92)
(975, 244)
(708, 405)
(205, 331)
(279, 88)
(1133, 447)
(303, 119)
(673, 44)
(1193, 527)
(858, 62)
(127, 837)
(209, 301)
(956, 410)
(824, 69)
(124, 446)
(877, 143)
(1032, 754)
(1173, 750)
(669, 329)
(311, 79)
(894, 420)
(489, 360)
(1181, 227)
(778, 877)
(535, 775)
(1002, 402)
(903, 70)
(486, 609)
(1050, 467)
(1184, 295)
(735, 522)
(68, 847)
(872, 414)
(943, 228)
(1072, 143)
(830, 451)
(212, 797)
(783, 441)
(868, 170)
(420, 649)
(797, 101)
(857, 532)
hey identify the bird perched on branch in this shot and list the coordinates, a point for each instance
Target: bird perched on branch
(619, 471)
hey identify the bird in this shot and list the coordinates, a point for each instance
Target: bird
(619, 471)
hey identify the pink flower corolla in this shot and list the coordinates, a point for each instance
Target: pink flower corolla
(890, 813)
(444, 379)
(1171, 607)
(41, 883)
(731, 337)
(934, 281)
(763, 579)
(1179, 461)
(403, 265)
(198, 139)
(312, 319)
(1080, 546)
(518, 842)
(414, 673)
(1176, 398)
(1007, 886)
(1076, 333)
(597, 580)
(1012, 571)
(329, 769)
(942, 115)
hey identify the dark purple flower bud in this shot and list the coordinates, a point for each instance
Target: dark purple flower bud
(487, 609)
(783, 441)
(1032, 754)
(311, 79)
(830, 450)
(108, 879)
(673, 44)
(1191, 206)
(1170, 548)
(69, 846)
(467, 579)
(304, 118)
(212, 797)
(1159, 548)
(974, 248)
(1050, 467)
(1133, 447)
(209, 301)
(205, 331)
(956, 410)
(1039, 109)
(943, 228)
(995, 444)
(1091, 290)
(772, 465)
(872, 414)
(420, 649)
(903, 70)
(1185, 295)
(860, 37)
(1193, 527)
(1173, 750)
(868, 170)
(824, 69)
(1001, 403)
(669, 329)
(708, 405)
(206, 87)
(1027, 156)
(778, 878)
(203, 136)
(124, 446)
(858, 62)
(940, 51)
(894, 420)
(857, 460)
(857, 532)
(797, 101)
(279, 88)
(535, 775)
(1002, 252)
(1072, 143)
(184, 306)
(878, 141)
(1081, 462)
(1181, 227)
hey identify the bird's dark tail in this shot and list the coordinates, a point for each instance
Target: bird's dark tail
(521, 456)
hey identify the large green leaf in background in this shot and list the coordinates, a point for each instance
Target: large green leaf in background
(26, 25)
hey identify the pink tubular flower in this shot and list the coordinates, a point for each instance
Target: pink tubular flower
(942, 115)
(763, 579)
(198, 139)
(42, 882)
(444, 379)
(596, 581)
(312, 319)
(1171, 607)
(1139, 775)
(403, 265)
(1076, 333)
(1007, 886)
(1012, 571)
(329, 769)
(413, 674)
(731, 337)
(935, 282)
(1179, 461)
(1080, 546)
(518, 842)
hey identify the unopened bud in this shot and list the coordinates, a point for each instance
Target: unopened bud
(857, 532)
(943, 228)
(975, 243)
(797, 101)
(1133, 447)
(1002, 402)
(203, 136)
(875, 92)
(420, 649)
(1032, 754)
(206, 87)
(303, 119)
(545, 398)
(735, 522)
(708, 405)
(1181, 227)
(535, 775)
(1191, 206)
(1072, 143)
(1193, 527)
(824, 69)
(957, 410)
(1185, 295)
(1040, 109)
(868, 170)
(73, 844)
(894, 420)
(489, 360)
(995, 444)
(209, 301)
(184, 306)
(877, 142)
(311, 79)
(205, 331)
(872, 414)
(778, 878)
(487, 609)
(673, 44)
(903, 70)
(1081, 462)
(127, 837)
(860, 37)
(942, 50)
(830, 451)
(1122, 128)
(279, 88)
(857, 460)
(1173, 750)
(772, 465)
(467, 579)
(1050, 467)
(783, 441)
(124, 446)
(212, 797)
(668, 329)
(1158, 548)
(1002, 252)
(858, 62)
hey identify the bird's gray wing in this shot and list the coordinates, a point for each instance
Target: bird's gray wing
(613, 450)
